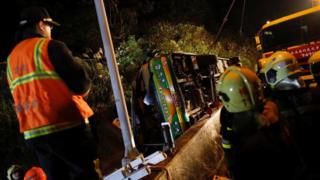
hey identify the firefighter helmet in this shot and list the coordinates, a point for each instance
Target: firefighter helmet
(282, 72)
(314, 62)
(239, 89)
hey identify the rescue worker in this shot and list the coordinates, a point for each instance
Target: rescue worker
(298, 105)
(281, 75)
(48, 88)
(253, 139)
(314, 63)
(282, 72)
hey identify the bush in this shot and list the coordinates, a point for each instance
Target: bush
(196, 39)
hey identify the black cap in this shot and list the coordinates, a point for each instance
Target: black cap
(33, 15)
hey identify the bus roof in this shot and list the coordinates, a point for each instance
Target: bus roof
(291, 16)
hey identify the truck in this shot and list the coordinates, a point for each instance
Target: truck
(298, 33)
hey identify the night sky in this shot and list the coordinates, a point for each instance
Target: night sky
(256, 14)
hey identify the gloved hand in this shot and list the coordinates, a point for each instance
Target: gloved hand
(270, 112)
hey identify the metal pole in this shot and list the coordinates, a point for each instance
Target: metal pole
(130, 148)
(225, 19)
(242, 16)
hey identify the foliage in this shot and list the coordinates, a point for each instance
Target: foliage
(101, 91)
(130, 57)
(196, 39)
(129, 54)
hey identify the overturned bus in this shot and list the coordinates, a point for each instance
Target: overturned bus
(171, 92)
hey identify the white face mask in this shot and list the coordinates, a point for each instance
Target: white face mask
(289, 84)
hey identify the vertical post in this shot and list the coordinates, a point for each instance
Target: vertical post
(242, 17)
(130, 148)
(225, 19)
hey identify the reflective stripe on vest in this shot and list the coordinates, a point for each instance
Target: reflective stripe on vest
(37, 55)
(226, 144)
(38, 74)
(9, 74)
(49, 129)
(33, 76)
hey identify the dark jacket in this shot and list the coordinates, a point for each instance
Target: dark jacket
(257, 152)
(300, 108)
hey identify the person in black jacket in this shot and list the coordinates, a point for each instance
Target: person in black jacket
(254, 138)
(298, 104)
(61, 141)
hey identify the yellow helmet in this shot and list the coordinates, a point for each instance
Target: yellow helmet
(239, 89)
(282, 72)
(314, 63)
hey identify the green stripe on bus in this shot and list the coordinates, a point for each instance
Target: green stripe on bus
(33, 76)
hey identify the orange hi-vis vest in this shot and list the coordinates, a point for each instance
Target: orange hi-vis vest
(43, 103)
